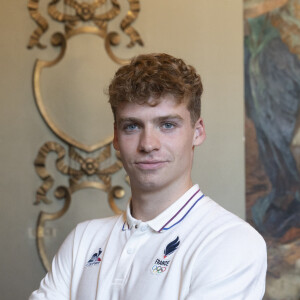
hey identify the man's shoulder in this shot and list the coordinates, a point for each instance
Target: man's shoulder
(217, 213)
(227, 251)
(220, 225)
(96, 225)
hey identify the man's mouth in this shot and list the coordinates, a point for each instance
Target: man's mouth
(150, 164)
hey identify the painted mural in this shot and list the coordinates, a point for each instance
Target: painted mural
(272, 102)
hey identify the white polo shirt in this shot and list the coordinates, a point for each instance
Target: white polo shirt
(193, 250)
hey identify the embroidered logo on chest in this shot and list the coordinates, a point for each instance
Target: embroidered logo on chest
(95, 259)
(161, 265)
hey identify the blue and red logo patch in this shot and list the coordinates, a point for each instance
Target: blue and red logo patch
(161, 265)
(171, 247)
(95, 259)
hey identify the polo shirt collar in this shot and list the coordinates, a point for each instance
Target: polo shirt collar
(171, 216)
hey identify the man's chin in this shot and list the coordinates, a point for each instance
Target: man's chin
(148, 184)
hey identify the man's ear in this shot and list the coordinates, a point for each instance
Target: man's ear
(199, 132)
(115, 140)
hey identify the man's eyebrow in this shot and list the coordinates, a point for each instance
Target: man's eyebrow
(129, 120)
(175, 117)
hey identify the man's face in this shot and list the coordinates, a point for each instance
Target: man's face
(157, 143)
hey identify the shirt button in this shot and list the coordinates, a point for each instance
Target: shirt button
(130, 251)
(144, 228)
(136, 226)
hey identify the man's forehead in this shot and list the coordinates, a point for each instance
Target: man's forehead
(167, 103)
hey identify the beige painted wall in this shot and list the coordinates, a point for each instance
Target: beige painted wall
(206, 33)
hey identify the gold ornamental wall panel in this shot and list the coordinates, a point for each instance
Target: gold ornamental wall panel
(85, 165)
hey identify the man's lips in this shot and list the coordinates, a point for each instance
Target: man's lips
(150, 164)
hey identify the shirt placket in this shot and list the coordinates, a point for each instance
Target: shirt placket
(140, 234)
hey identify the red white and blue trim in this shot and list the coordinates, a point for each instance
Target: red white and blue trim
(180, 210)
(172, 216)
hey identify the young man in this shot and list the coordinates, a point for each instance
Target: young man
(173, 242)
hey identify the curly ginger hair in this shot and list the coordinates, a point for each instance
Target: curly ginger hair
(155, 76)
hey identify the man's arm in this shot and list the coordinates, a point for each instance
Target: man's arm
(232, 268)
(57, 283)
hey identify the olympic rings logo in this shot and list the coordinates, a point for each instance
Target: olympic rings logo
(156, 269)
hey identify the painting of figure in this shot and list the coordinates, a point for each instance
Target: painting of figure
(272, 106)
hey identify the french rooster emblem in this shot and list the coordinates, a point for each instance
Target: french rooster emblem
(171, 247)
(96, 257)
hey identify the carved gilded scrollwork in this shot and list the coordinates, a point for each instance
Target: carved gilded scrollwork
(128, 20)
(40, 21)
(84, 12)
(61, 192)
(86, 166)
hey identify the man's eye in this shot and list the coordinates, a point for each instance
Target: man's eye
(168, 125)
(130, 127)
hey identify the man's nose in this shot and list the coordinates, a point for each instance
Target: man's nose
(149, 140)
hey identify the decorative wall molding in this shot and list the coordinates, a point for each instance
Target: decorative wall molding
(86, 13)
(85, 166)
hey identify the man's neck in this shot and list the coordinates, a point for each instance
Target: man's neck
(147, 204)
